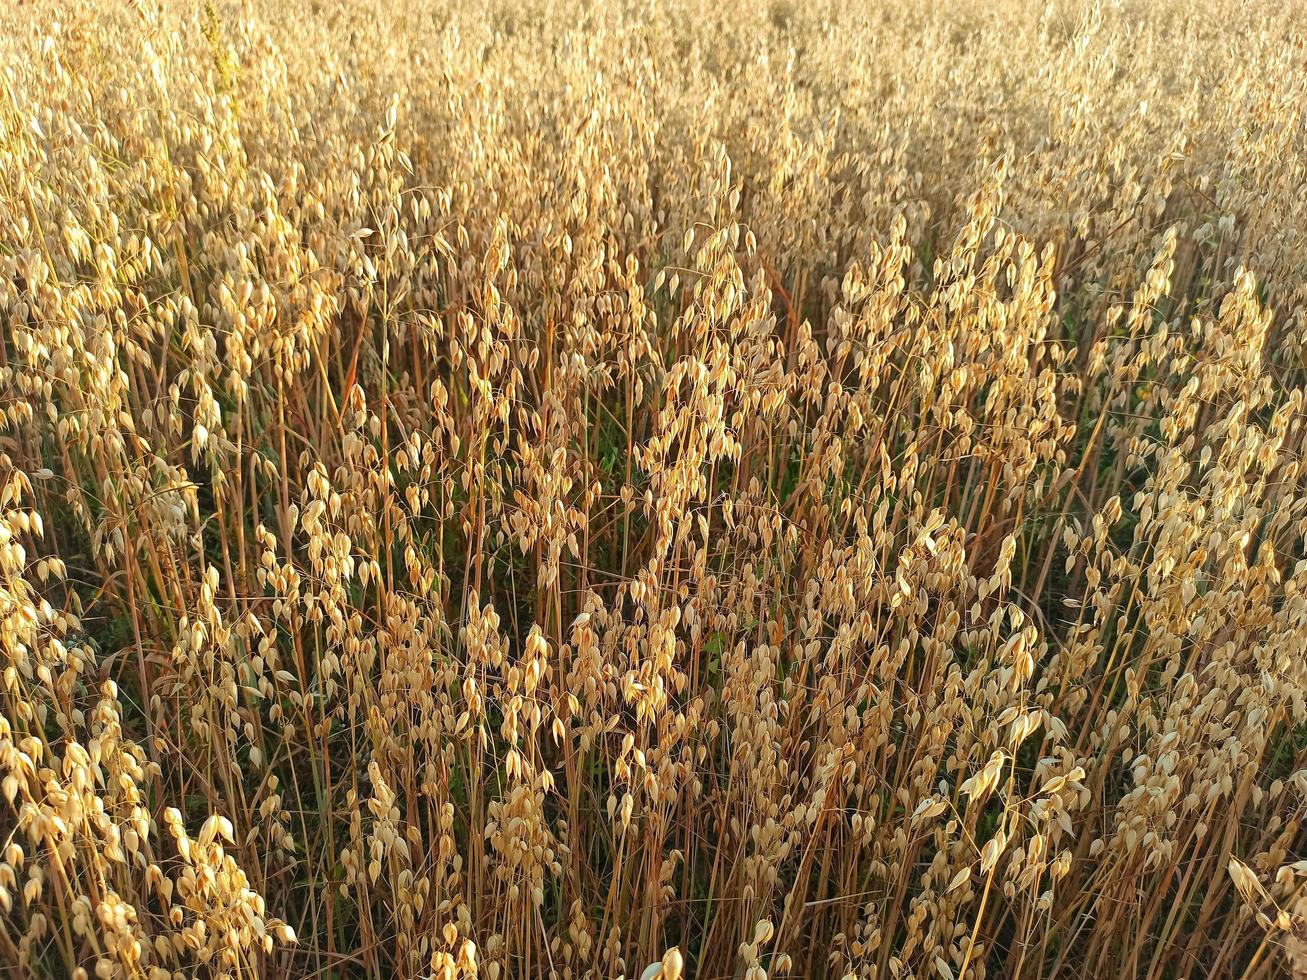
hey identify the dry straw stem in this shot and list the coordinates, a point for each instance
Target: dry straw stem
(693, 490)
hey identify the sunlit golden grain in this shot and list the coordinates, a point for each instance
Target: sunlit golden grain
(680, 490)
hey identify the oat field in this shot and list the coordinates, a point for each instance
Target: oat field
(683, 489)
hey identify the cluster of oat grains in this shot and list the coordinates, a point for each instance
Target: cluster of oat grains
(587, 489)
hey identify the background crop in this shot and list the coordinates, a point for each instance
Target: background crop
(687, 489)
